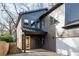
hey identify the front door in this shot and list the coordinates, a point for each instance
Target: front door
(27, 42)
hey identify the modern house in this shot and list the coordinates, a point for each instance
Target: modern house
(28, 36)
(55, 29)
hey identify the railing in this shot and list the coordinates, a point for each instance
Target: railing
(32, 29)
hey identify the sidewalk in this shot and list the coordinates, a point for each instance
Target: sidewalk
(37, 52)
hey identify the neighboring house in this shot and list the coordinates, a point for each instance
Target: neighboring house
(55, 30)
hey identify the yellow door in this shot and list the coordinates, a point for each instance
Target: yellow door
(27, 42)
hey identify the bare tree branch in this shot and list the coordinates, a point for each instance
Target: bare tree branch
(7, 12)
(25, 6)
(4, 25)
(15, 8)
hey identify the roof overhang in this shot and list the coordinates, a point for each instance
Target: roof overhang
(72, 25)
(27, 12)
(48, 12)
(35, 33)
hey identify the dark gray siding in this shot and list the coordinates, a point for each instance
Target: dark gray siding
(49, 42)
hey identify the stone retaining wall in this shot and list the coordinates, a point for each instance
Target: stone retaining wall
(4, 47)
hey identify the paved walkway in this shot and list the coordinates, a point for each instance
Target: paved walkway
(37, 52)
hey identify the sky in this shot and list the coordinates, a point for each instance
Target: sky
(21, 7)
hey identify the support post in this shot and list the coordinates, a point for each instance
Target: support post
(23, 42)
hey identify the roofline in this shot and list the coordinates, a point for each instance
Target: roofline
(71, 26)
(32, 11)
(22, 13)
(49, 11)
(74, 24)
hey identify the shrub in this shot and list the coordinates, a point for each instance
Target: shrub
(6, 37)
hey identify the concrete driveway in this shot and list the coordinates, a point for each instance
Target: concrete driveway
(37, 52)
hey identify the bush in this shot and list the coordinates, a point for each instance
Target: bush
(7, 37)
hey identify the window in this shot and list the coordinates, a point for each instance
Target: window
(71, 13)
(33, 26)
(43, 24)
(26, 21)
(38, 25)
(32, 21)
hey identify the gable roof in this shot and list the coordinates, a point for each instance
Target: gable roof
(42, 16)
(32, 11)
(74, 24)
(51, 10)
(48, 12)
(27, 12)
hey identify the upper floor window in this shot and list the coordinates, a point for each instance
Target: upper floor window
(43, 23)
(26, 21)
(38, 25)
(32, 21)
(71, 13)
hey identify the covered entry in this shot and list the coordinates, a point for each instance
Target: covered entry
(27, 38)
(34, 40)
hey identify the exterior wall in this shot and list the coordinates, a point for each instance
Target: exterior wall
(67, 40)
(32, 42)
(49, 42)
(19, 35)
(35, 42)
(68, 46)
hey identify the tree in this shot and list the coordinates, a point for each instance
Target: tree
(10, 12)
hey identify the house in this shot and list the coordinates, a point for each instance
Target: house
(55, 29)
(28, 36)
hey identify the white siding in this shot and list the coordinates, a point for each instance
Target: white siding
(59, 14)
(19, 35)
(69, 43)
(49, 43)
(68, 46)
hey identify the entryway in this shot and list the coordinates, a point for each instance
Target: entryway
(27, 42)
(33, 42)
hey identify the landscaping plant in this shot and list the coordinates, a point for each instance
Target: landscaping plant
(6, 37)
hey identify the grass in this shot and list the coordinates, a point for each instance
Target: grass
(13, 48)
